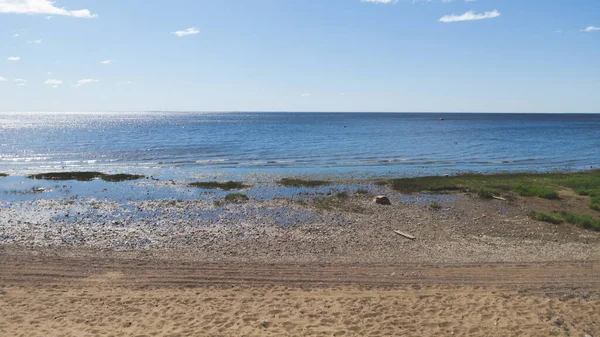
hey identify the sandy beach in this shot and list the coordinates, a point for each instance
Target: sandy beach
(52, 296)
(281, 267)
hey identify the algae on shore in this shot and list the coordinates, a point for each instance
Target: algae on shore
(85, 176)
(294, 182)
(228, 185)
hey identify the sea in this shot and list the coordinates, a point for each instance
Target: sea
(351, 145)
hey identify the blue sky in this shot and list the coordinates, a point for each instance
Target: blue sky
(300, 55)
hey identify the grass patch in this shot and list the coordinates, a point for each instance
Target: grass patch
(537, 191)
(435, 205)
(293, 182)
(85, 176)
(595, 203)
(228, 185)
(486, 193)
(236, 197)
(547, 217)
(543, 185)
(581, 220)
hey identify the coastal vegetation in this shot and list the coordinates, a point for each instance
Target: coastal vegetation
(581, 220)
(85, 176)
(435, 205)
(293, 182)
(2, 175)
(543, 185)
(226, 186)
(236, 197)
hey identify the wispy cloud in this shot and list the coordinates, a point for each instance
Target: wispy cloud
(2, 79)
(306, 94)
(13, 58)
(186, 32)
(16, 35)
(53, 82)
(469, 16)
(590, 29)
(35, 42)
(41, 7)
(85, 81)
(20, 82)
(380, 1)
(107, 62)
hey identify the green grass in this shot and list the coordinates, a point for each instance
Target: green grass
(85, 176)
(595, 203)
(236, 197)
(547, 217)
(293, 182)
(543, 185)
(228, 185)
(435, 205)
(581, 220)
(537, 191)
(486, 193)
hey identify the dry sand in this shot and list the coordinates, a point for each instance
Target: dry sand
(46, 296)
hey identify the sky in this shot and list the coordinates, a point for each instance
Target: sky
(300, 55)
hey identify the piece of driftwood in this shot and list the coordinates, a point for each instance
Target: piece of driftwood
(408, 236)
(499, 198)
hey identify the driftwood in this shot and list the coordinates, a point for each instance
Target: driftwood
(408, 236)
(499, 198)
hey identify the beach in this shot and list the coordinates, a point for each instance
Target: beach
(328, 263)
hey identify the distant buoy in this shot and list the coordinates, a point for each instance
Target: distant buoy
(441, 119)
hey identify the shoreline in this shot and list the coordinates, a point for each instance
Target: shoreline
(324, 260)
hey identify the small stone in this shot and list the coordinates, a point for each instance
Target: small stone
(382, 200)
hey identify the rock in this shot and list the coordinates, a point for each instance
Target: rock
(382, 200)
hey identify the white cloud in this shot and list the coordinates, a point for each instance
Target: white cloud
(86, 81)
(13, 58)
(107, 62)
(186, 32)
(41, 7)
(20, 80)
(16, 35)
(305, 95)
(2, 79)
(380, 1)
(21, 85)
(35, 42)
(53, 82)
(590, 29)
(469, 16)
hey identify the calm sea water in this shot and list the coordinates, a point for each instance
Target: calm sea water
(196, 144)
